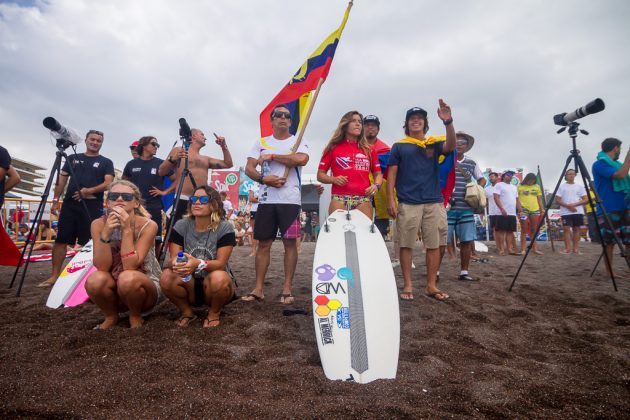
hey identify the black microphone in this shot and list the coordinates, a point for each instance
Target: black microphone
(184, 129)
(592, 107)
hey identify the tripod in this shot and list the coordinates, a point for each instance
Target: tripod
(186, 137)
(588, 184)
(62, 145)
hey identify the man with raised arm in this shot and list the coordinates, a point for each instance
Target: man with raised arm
(279, 199)
(198, 164)
(414, 172)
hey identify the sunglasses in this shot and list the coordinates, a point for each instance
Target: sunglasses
(280, 114)
(154, 144)
(100, 133)
(114, 196)
(204, 199)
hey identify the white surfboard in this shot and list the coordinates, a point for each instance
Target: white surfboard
(355, 301)
(70, 277)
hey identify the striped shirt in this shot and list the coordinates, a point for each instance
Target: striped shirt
(459, 193)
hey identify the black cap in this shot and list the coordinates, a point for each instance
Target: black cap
(373, 119)
(415, 110)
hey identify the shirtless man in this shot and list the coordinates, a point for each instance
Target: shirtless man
(198, 164)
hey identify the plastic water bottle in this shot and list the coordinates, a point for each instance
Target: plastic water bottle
(181, 258)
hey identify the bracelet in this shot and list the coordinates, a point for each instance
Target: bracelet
(103, 240)
(448, 122)
(129, 254)
(170, 160)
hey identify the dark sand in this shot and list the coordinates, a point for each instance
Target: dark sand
(556, 346)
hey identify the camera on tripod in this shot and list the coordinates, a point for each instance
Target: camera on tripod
(592, 107)
(66, 137)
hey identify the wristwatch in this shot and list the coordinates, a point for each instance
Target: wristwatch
(202, 265)
(172, 162)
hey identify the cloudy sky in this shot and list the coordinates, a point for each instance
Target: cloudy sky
(132, 68)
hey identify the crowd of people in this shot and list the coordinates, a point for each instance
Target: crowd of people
(402, 187)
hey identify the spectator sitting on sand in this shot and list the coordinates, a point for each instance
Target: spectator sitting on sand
(207, 240)
(128, 273)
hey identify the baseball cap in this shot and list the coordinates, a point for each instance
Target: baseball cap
(373, 119)
(510, 173)
(134, 145)
(415, 110)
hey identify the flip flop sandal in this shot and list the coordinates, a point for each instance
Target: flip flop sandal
(250, 297)
(287, 299)
(189, 320)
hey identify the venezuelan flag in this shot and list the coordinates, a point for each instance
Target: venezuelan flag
(297, 93)
(447, 175)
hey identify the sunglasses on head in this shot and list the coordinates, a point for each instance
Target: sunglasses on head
(204, 199)
(114, 196)
(100, 133)
(281, 114)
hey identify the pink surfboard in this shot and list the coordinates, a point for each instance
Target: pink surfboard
(79, 296)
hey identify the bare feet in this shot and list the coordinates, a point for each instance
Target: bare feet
(287, 299)
(538, 252)
(135, 322)
(406, 295)
(48, 282)
(108, 323)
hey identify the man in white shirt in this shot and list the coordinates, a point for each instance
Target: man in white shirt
(506, 199)
(279, 199)
(493, 210)
(571, 198)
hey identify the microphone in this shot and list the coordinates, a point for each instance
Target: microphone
(60, 132)
(592, 107)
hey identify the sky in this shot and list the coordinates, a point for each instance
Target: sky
(133, 68)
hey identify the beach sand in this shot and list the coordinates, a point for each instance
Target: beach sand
(558, 345)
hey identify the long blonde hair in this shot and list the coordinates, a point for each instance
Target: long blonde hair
(341, 131)
(136, 194)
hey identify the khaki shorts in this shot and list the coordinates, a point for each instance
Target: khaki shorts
(427, 221)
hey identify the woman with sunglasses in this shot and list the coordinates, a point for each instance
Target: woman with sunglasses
(351, 161)
(207, 240)
(127, 276)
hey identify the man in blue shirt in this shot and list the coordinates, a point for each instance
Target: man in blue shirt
(414, 173)
(613, 187)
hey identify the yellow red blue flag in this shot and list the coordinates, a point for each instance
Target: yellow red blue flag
(297, 93)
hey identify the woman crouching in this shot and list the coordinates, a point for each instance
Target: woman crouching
(206, 240)
(127, 276)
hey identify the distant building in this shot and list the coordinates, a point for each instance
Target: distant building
(29, 184)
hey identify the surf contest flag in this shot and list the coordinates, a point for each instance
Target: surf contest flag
(297, 94)
(447, 175)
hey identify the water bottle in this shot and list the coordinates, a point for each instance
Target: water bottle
(181, 258)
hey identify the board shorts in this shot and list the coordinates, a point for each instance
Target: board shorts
(273, 217)
(492, 221)
(74, 225)
(574, 220)
(505, 223)
(621, 227)
(462, 224)
(353, 201)
(427, 221)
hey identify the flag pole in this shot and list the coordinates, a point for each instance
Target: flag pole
(311, 105)
(306, 118)
(553, 248)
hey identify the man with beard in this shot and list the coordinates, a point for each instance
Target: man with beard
(93, 174)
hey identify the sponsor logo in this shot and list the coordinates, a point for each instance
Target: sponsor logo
(136, 169)
(231, 179)
(343, 162)
(325, 272)
(96, 164)
(325, 329)
(153, 171)
(328, 288)
(76, 267)
(325, 305)
(343, 318)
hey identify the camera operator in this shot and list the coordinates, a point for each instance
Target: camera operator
(93, 174)
(613, 187)
(143, 171)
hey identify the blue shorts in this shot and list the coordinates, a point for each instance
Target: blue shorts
(462, 222)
